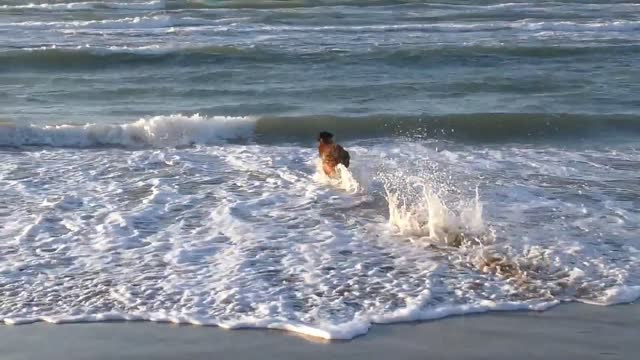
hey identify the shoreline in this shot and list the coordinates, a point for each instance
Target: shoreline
(566, 331)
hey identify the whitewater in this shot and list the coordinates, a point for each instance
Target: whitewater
(158, 161)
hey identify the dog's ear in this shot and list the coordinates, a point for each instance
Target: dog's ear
(325, 136)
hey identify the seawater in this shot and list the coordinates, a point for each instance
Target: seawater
(157, 160)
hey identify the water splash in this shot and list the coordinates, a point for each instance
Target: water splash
(344, 178)
(420, 211)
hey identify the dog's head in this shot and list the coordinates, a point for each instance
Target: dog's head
(325, 137)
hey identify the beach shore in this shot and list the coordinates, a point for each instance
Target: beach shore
(571, 331)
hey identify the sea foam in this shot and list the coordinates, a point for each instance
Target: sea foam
(243, 235)
(157, 131)
(89, 5)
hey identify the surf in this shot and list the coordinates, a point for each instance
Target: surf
(182, 129)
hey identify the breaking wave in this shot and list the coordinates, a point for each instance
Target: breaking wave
(159, 131)
(183, 130)
(92, 57)
(89, 5)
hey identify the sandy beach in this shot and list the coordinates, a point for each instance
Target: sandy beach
(571, 331)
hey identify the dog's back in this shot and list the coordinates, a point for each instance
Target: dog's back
(342, 155)
(334, 154)
(331, 153)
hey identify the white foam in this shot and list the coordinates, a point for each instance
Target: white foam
(617, 295)
(150, 5)
(571, 26)
(164, 21)
(152, 49)
(62, 6)
(526, 24)
(416, 313)
(421, 207)
(157, 131)
(137, 22)
(427, 216)
(88, 5)
(344, 179)
(247, 236)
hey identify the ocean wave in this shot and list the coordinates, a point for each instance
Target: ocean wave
(158, 131)
(168, 21)
(205, 231)
(126, 23)
(571, 26)
(99, 57)
(200, 24)
(494, 127)
(278, 4)
(90, 5)
(524, 24)
(138, 22)
(181, 130)
(275, 4)
(116, 56)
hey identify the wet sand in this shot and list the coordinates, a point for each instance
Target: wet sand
(571, 331)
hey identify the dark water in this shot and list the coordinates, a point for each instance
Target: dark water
(115, 62)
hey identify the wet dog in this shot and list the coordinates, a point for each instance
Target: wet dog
(331, 154)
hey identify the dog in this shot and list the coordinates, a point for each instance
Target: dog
(331, 154)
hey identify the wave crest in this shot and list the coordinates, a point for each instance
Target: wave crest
(157, 131)
(88, 5)
(181, 130)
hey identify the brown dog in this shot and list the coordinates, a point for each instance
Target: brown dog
(331, 154)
